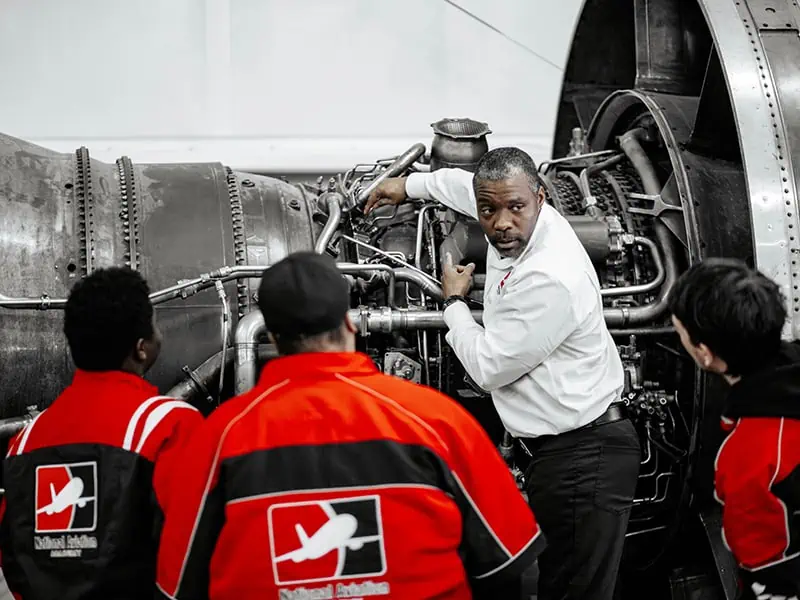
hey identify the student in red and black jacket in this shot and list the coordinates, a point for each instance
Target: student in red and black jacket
(730, 318)
(86, 481)
(332, 480)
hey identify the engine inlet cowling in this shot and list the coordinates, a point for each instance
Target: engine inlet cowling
(458, 143)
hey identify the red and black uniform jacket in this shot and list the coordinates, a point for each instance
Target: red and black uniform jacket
(758, 476)
(85, 484)
(330, 479)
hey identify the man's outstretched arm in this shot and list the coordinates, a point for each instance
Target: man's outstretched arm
(451, 187)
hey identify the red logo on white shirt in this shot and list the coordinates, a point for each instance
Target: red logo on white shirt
(502, 283)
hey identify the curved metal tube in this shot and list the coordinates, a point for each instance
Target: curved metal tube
(245, 342)
(642, 287)
(621, 317)
(400, 164)
(590, 201)
(197, 381)
(427, 286)
(333, 200)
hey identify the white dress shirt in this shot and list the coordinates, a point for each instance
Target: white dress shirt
(544, 352)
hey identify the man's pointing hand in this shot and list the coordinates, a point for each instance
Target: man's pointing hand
(456, 279)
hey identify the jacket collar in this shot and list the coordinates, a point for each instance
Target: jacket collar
(108, 378)
(316, 365)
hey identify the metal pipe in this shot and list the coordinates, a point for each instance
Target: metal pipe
(401, 163)
(245, 342)
(184, 289)
(13, 425)
(420, 230)
(386, 320)
(196, 383)
(642, 287)
(643, 331)
(427, 286)
(620, 317)
(545, 165)
(226, 325)
(390, 257)
(590, 201)
(333, 200)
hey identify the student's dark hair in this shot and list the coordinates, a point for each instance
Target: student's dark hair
(736, 311)
(287, 345)
(107, 312)
(502, 163)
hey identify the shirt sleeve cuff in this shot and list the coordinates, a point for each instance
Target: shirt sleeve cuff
(415, 186)
(457, 313)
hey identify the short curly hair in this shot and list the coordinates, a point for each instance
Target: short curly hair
(506, 162)
(107, 312)
(736, 311)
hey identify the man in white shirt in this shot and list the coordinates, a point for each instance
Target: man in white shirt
(547, 358)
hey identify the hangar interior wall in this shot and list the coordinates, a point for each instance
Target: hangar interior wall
(277, 86)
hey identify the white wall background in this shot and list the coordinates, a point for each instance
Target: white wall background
(277, 85)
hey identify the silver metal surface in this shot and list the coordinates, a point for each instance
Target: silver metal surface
(659, 206)
(401, 163)
(642, 288)
(333, 201)
(763, 96)
(245, 344)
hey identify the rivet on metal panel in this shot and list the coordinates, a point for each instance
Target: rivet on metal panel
(776, 15)
(85, 208)
(129, 214)
(772, 15)
(239, 244)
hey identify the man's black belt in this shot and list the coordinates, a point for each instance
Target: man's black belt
(615, 412)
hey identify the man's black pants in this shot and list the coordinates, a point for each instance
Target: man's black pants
(581, 486)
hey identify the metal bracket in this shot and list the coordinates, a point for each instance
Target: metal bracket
(772, 15)
(659, 206)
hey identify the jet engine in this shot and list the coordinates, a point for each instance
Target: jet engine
(672, 143)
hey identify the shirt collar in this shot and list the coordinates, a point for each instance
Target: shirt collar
(107, 378)
(539, 231)
(314, 365)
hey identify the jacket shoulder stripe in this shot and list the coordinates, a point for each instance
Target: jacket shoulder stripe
(127, 443)
(772, 483)
(397, 406)
(157, 415)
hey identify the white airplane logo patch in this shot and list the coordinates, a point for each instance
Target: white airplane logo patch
(346, 540)
(66, 498)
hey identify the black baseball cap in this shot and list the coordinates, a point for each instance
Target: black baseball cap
(302, 295)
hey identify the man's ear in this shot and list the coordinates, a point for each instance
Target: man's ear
(349, 325)
(139, 351)
(541, 196)
(271, 338)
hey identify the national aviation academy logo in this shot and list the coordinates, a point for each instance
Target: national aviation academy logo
(66, 504)
(326, 540)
